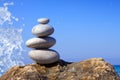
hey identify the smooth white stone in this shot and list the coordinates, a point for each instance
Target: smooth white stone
(43, 20)
(46, 42)
(45, 56)
(42, 30)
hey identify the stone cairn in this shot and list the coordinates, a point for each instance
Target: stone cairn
(41, 53)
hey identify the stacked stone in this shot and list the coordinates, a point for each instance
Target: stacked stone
(41, 53)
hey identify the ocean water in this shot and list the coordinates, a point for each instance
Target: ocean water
(117, 68)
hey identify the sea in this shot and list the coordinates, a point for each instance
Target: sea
(117, 68)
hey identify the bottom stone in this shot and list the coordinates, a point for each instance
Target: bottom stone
(44, 56)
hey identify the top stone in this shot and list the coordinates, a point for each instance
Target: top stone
(43, 20)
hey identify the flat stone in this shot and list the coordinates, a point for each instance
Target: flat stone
(43, 20)
(45, 56)
(42, 30)
(45, 42)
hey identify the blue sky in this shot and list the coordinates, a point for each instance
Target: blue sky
(83, 28)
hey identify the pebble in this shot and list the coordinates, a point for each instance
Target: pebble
(42, 30)
(46, 42)
(41, 44)
(45, 56)
(43, 20)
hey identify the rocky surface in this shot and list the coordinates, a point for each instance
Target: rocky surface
(92, 69)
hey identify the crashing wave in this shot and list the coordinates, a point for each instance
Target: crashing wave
(10, 40)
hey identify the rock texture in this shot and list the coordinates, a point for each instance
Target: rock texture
(92, 69)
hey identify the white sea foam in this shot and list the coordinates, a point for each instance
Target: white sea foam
(10, 40)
